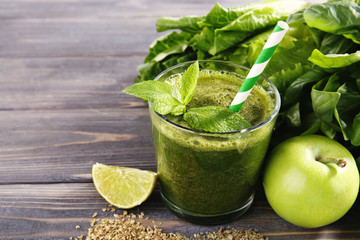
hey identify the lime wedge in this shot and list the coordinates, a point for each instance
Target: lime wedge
(123, 187)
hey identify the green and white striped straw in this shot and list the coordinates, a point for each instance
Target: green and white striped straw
(266, 53)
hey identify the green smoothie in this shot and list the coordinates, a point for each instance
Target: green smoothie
(205, 173)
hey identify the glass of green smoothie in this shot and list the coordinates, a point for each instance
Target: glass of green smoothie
(205, 177)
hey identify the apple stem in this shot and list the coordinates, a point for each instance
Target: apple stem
(338, 161)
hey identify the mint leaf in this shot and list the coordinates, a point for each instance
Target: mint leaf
(164, 97)
(188, 82)
(163, 108)
(215, 119)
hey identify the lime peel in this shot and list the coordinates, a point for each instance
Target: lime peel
(123, 187)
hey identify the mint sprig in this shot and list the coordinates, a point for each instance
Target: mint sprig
(166, 98)
(215, 119)
(169, 99)
(188, 82)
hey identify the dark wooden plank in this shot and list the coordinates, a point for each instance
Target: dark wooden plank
(61, 146)
(76, 37)
(65, 62)
(51, 211)
(87, 28)
(63, 83)
(78, 54)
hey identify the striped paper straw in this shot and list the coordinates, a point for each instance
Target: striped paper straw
(266, 53)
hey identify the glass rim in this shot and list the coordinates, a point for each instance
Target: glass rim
(250, 129)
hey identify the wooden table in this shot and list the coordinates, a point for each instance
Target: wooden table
(63, 65)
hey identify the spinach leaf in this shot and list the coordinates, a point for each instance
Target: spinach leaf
(335, 44)
(355, 136)
(348, 107)
(341, 18)
(324, 103)
(297, 88)
(334, 60)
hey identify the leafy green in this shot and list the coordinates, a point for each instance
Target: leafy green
(188, 82)
(164, 97)
(215, 119)
(167, 45)
(324, 103)
(333, 44)
(355, 137)
(334, 60)
(219, 16)
(148, 70)
(316, 67)
(187, 24)
(335, 17)
(296, 89)
(254, 19)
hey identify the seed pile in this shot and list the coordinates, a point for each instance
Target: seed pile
(132, 227)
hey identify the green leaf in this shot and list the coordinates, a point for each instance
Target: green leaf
(314, 128)
(166, 45)
(220, 16)
(334, 60)
(328, 130)
(348, 107)
(148, 71)
(293, 115)
(244, 26)
(203, 40)
(188, 82)
(165, 98)
(291, 55)
(247, 52)
(255, 19)
(215, 119)
(188, 55)
(295, 91)
(324, 103)
(355, 136)
(335, 44)
(187, 24)
(341, 18)
(164, 108)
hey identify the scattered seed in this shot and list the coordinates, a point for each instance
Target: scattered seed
(130, 226)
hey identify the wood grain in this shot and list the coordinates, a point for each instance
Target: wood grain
(63, 65)
(67, 83)
(87, 28)
(62, 145)
(51, 211)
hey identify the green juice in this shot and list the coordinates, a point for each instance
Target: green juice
(212, 174)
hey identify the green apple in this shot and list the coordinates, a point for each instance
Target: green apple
(311, 181)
